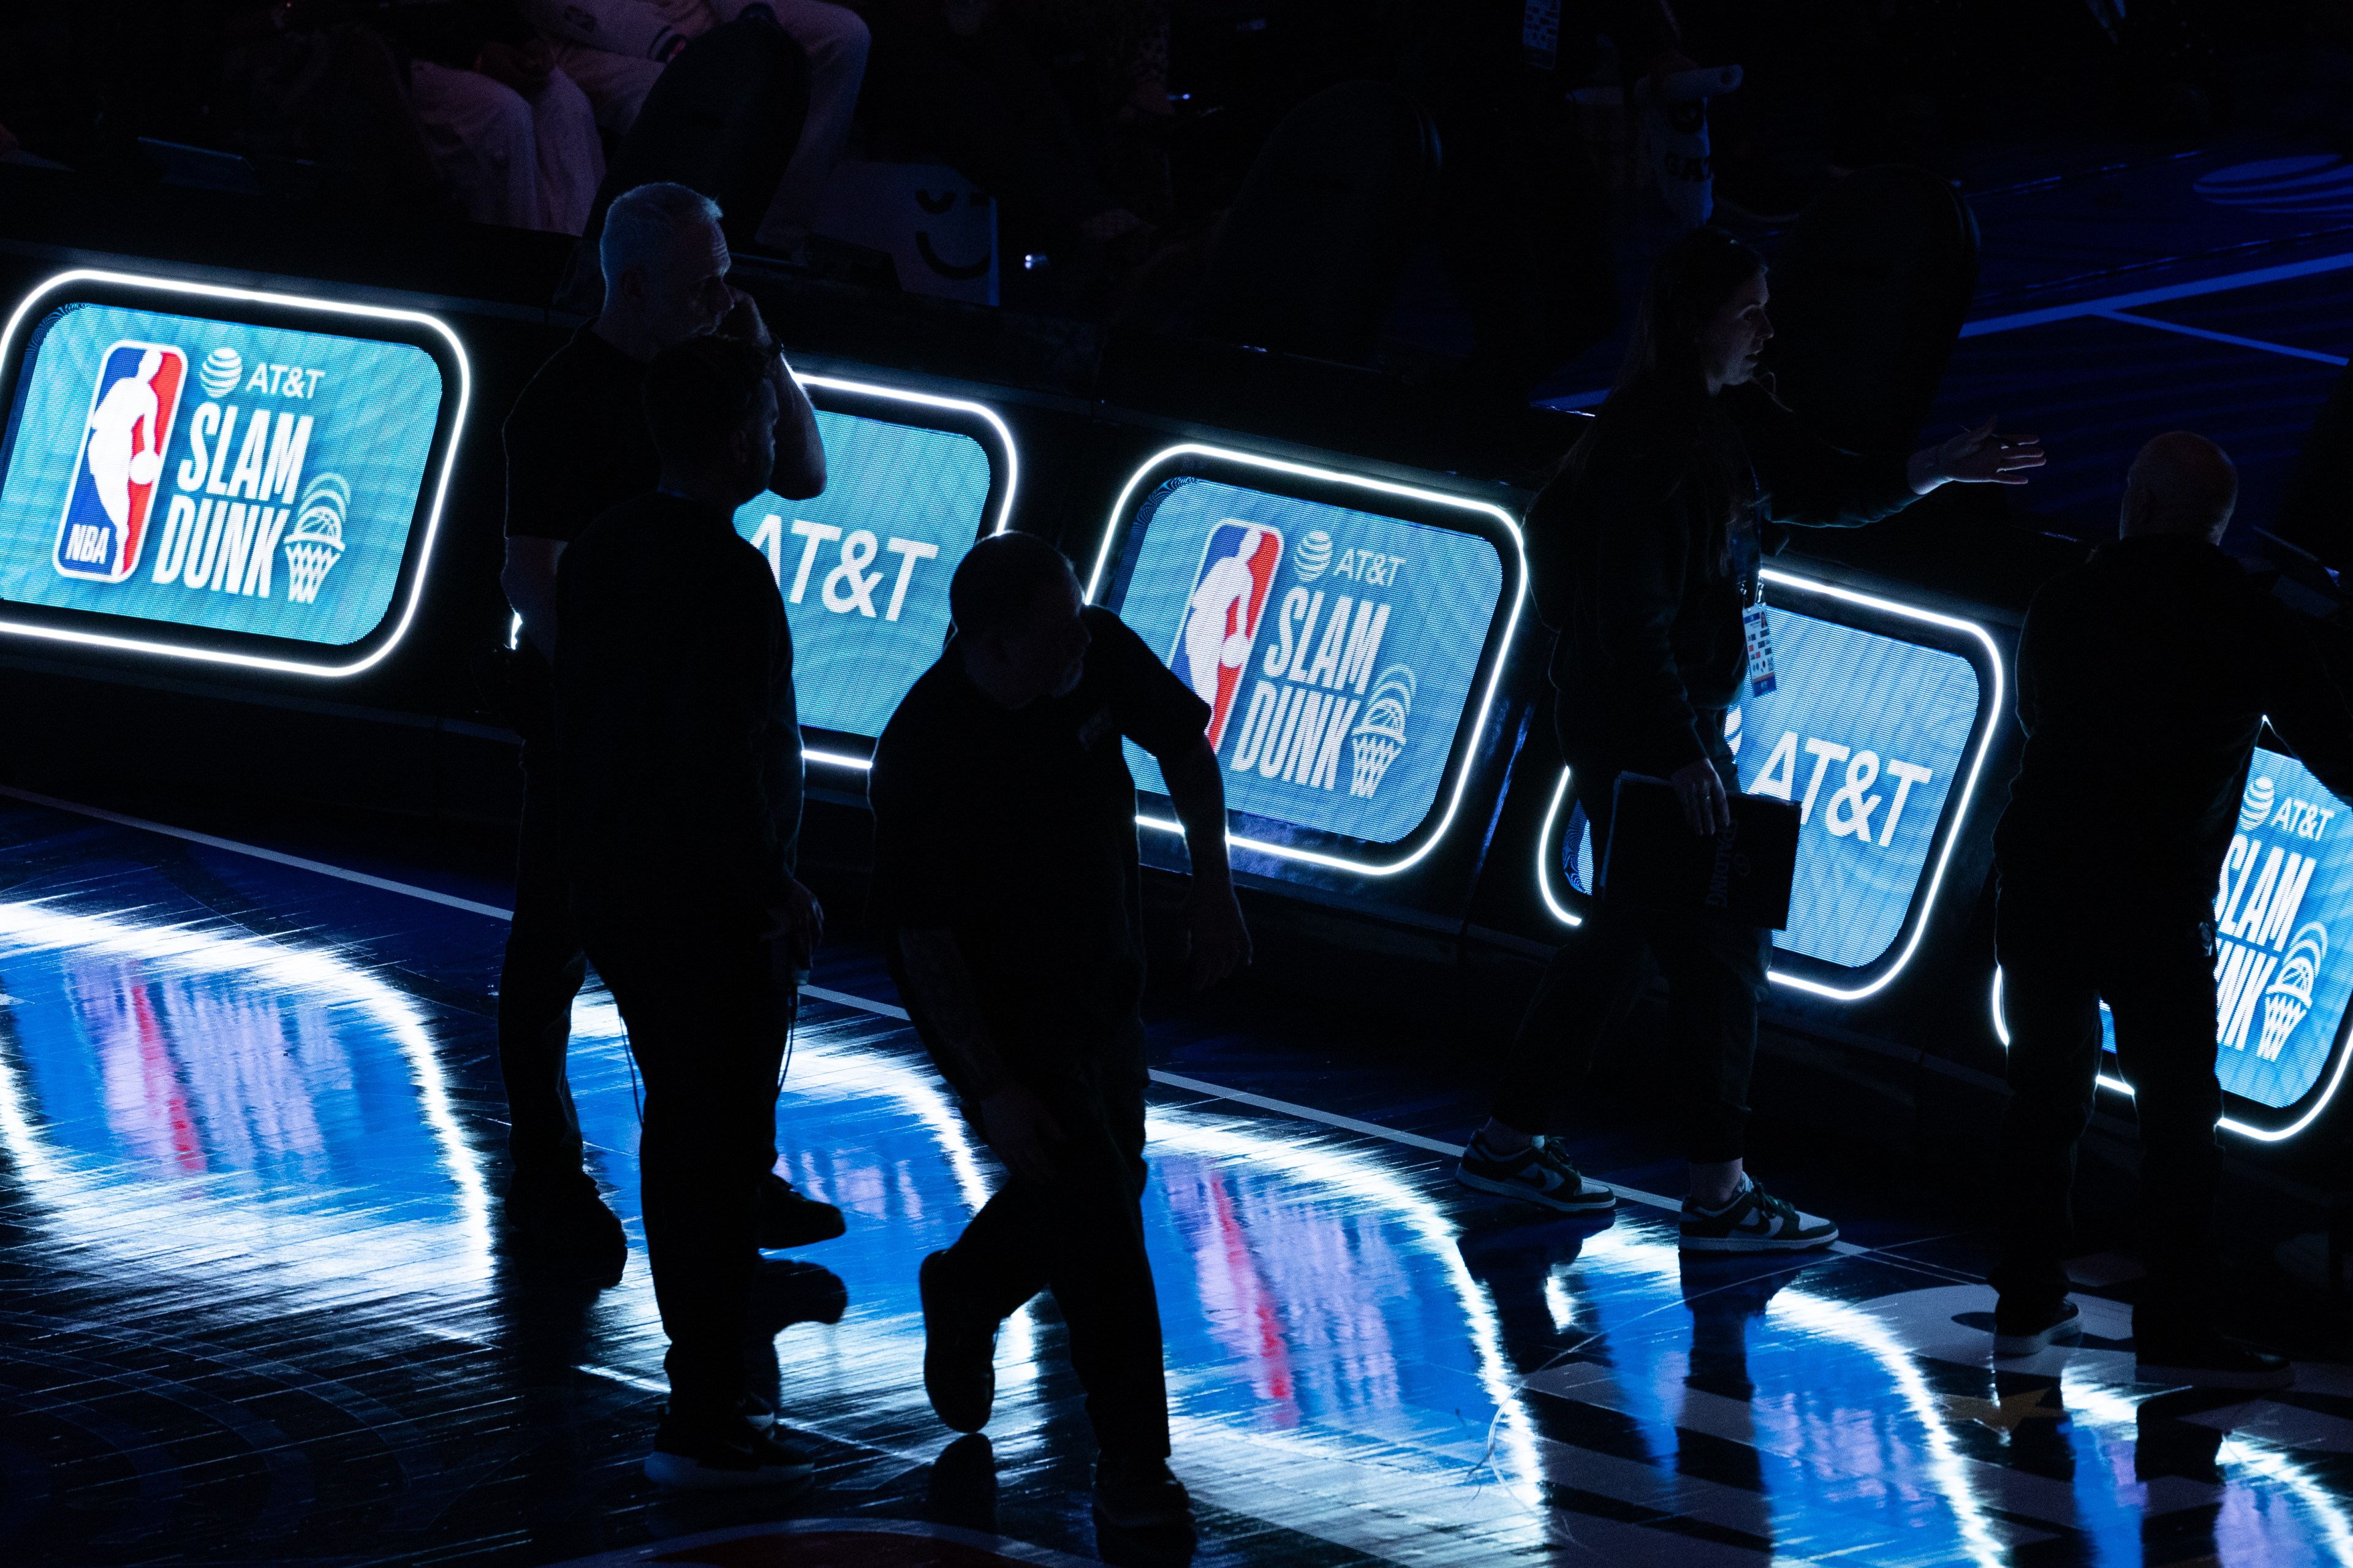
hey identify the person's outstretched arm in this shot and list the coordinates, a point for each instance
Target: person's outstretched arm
(1217, 940)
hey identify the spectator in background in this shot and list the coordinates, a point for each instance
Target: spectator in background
(515, 136)
(1522, 224)
(969, 81)
(617, 49)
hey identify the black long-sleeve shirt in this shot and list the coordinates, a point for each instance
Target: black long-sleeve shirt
(1649, 636)
(2143, 678)
(679, 733)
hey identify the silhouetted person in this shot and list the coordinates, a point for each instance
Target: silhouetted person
(578, 444)
(1643, 554)
(1006, 875)
(682, 782)
(2144, 680)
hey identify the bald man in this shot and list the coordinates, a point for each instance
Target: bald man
(2143, 678)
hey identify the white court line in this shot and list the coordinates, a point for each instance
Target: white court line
(2222, 285)
(2212, 337)
(2113, 306)
(840, 998)
(408, 890)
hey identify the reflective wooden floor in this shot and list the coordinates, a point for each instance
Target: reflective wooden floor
(253, 1311)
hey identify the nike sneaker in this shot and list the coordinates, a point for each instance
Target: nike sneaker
(1756, 1221)
(1538, 1173)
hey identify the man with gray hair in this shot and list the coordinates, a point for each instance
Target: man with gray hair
(2145, 679)
(578, 444)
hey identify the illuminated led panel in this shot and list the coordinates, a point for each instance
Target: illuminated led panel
(2283, 970)
(222, 474)
(1877, 730)
(1347, 634)
(913, 481)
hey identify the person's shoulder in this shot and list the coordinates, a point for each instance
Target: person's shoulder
(586, 372)
(920, 721)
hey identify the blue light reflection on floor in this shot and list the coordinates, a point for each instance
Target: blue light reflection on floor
(1357, 1354)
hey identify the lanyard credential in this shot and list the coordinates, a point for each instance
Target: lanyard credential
(1757, 630)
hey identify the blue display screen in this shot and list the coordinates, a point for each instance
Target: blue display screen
(209, 473)
(2282, 975)
(1866, 734)
(1336, 649)
(864, 567)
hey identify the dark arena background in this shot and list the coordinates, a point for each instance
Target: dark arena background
(1352, 277)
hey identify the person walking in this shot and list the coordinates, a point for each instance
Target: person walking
(577, 443)
(2108, 863)
(681, 775)
(1644, 553)
(1008, 882)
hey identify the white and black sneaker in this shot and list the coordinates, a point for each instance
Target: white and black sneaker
(1756, 1221)
(2032, 1326)
(1539, 1174)
(735, 1458)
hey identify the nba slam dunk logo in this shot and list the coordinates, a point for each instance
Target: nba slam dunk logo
(1317, 700)
(2266, 960)
(133, 410)
(226, 526)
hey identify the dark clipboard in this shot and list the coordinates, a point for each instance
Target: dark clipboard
(1654, 861)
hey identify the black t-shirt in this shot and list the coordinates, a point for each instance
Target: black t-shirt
(577, 446)
(681, 744)
(577, 440)
(2143, 678)
(1015, 829)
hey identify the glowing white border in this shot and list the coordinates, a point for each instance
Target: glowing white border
(927, 400)
(288, 302)
(1919, 921)
(2344, 1050)
(1379, 487)
(58, 1179)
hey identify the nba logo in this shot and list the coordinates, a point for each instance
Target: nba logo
(1221, 618)
(120, 467)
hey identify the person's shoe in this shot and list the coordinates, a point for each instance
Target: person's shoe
(561, 1223)
(1756, 1221)
(1133, 1492)
(788, 1218)
(959, 1359)
(758, 1414)
(1538, 1173)
(736, 1459)
(2031, 1326)
(2202, 1358)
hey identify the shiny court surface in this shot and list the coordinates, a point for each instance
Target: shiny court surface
(253, 1310)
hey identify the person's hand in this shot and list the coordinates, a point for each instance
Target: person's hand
(1217, 942)
(1699, 788)
(1670, 62)
(525, 68)
(743, 319)
(799, 919)
(1022, 1131)
(1977, 456)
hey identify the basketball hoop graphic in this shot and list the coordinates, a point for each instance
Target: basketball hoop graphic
(1379, 736)
(316, 541)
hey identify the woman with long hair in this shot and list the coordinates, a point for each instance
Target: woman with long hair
(1644, 551)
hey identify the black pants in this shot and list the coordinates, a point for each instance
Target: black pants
(2061, 952)
(707, 1014)
(543, 968)
(1081, 1237)
(1715, 973)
